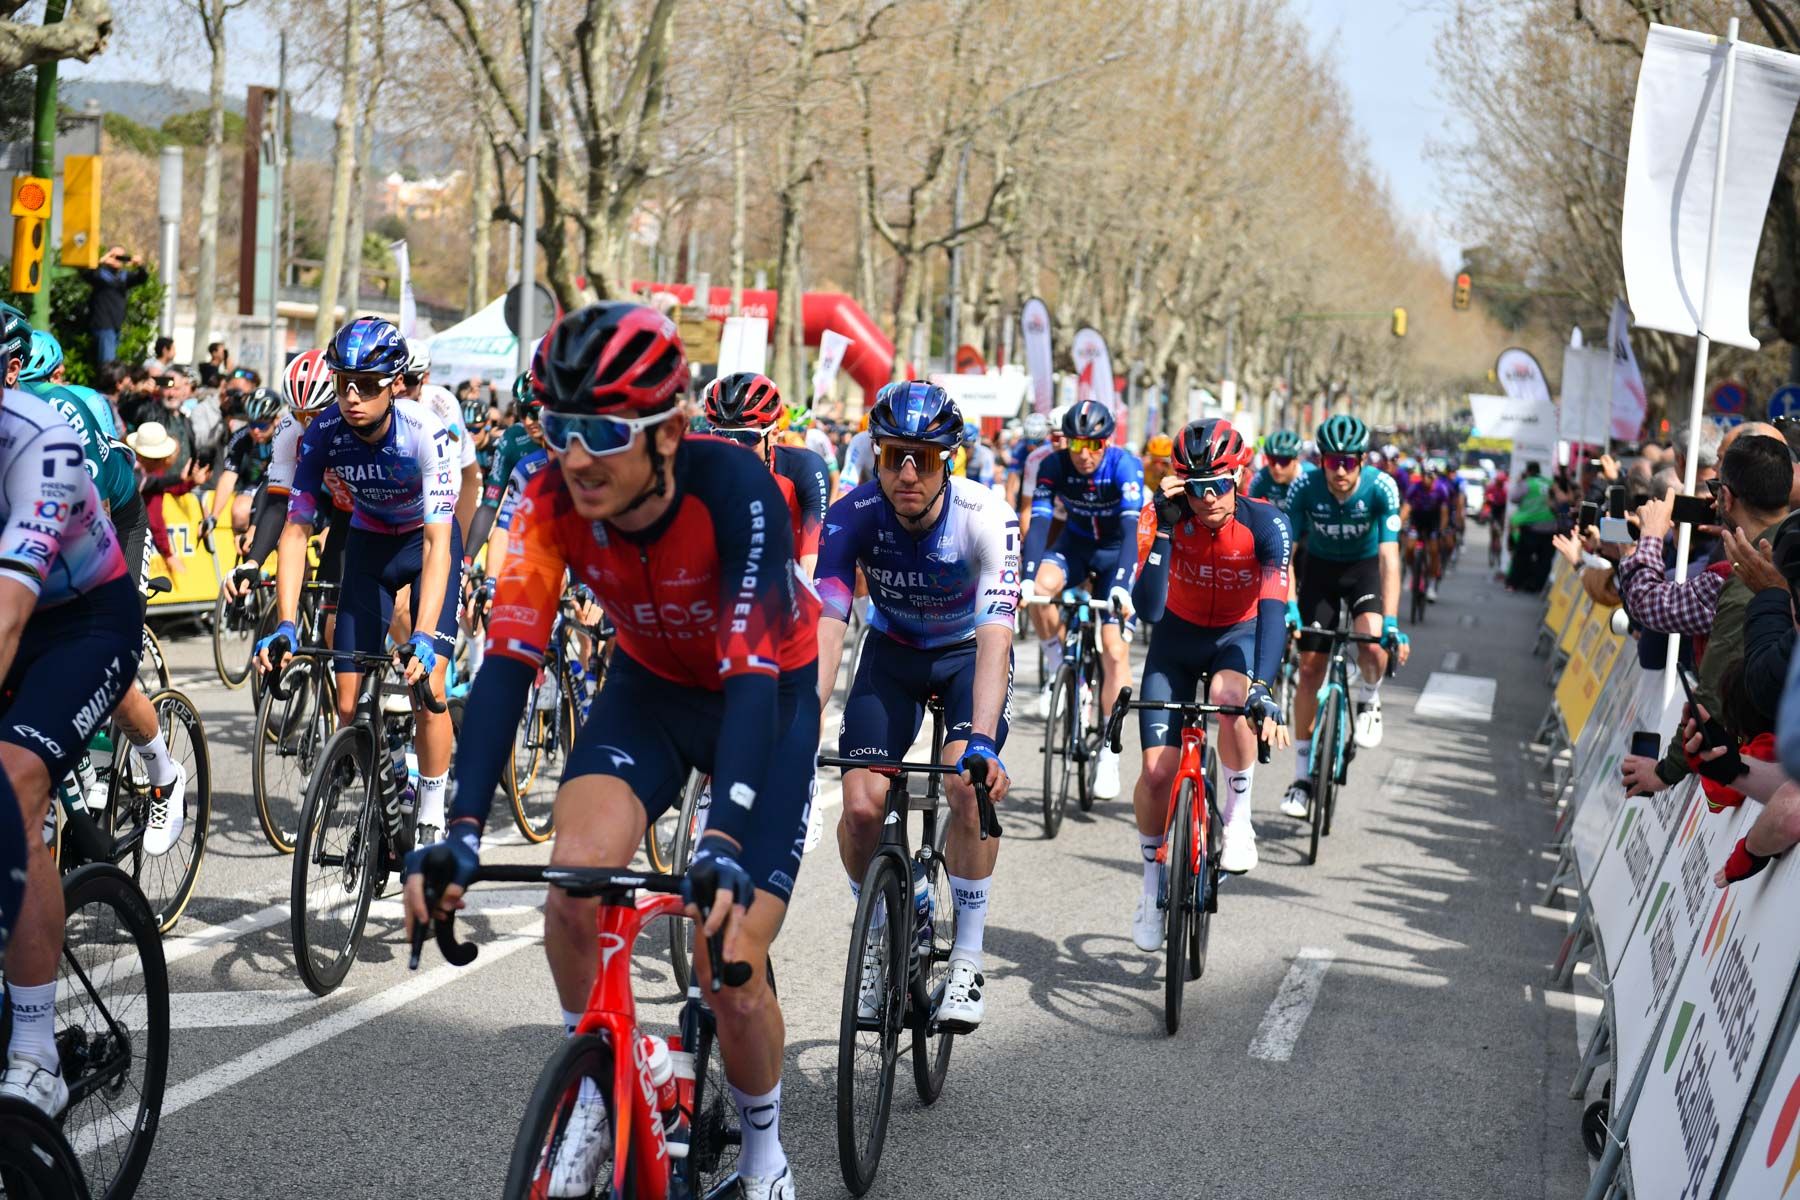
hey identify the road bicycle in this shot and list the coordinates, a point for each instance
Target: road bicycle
(1334, 737)
(356, 827)
(555, 707)
(1189, 857)
(904, 914)
(36, 1161)
(669, 845)
(608, 1052)
(1420, 581)
(1072, 728)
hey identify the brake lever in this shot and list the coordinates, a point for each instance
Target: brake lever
(1115, 724)
(984, 804)
(434, 874)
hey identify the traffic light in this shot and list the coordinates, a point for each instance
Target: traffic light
(1459, 299)
(31, 219)
(1399, 322)
(81, 211)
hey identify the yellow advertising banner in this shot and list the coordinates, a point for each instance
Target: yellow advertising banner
(196, 576)
(1595, 651)
(1563, 591)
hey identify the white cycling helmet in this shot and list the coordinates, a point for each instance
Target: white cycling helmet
(418, 358)
(1037, 427)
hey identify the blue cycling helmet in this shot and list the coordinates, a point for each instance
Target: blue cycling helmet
(45, 356)
(367, 346)
(971, 433)
(1088, 419)
(916, 412)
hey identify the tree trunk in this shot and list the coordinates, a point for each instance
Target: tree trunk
(790, 198)
(365, 153)
(865, 254)
(740, 188)
(344, 165)
(481, 233)
(212, 16)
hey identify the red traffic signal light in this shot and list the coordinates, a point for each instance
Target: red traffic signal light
(1459, 300)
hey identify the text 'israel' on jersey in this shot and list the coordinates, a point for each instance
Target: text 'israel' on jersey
(284, 460)
(1101, 506)
(932, 589)
(55, 537)
(709, 591)
(1217, 577)
(1349, 531)
(404, 481)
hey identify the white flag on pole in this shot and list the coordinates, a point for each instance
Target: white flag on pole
(1669, 179)
(1628, 401)
(409, 309)
(1587, 395)
(1034, 322)
(832, 345)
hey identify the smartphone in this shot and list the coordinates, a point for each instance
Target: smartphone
(1712, 734)
(1615, 501)
(1646, 745)
(1590, 515)
(1694, 510)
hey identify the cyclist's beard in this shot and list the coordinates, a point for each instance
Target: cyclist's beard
(657, 485)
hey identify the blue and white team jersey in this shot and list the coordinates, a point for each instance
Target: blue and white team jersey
(405, 481)
(859, 463)
(55, 537)
(1021, 450)
(930, 590)
(1102, 506)
(528, 466)
(981, 466)
(1264, 487)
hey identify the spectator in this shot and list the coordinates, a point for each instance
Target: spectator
(108, 284)
(172, 397)
(156, 453)
(1711, 448)
(216, 366)
(1534, 524)
(162, 357)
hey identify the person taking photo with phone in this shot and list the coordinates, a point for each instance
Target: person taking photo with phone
(108, 285)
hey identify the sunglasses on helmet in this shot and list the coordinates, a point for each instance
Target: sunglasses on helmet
(1213, 486)
(1086, 445)
(599, 435)
(894, 456)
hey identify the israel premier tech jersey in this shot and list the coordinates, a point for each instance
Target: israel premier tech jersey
(54, 536)
(1353, 530)
(404, 481)
(932, 589)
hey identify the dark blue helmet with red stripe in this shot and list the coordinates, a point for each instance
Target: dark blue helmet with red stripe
(367, 346)
(1088, 419)
(613, 358)
(916, 412)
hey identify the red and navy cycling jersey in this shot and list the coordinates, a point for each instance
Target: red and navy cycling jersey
(708, 592)
(812, 492)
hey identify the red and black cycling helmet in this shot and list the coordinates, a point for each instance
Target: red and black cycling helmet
(745, 400)
(611, 359)
(1210, 448)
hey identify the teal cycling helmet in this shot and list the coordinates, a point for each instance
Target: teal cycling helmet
(1283, 443)
(45, 356)
(262, 406)
(1343, 434)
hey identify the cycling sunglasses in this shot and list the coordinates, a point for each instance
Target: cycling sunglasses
(1342, 462)
(598, 434)
(1089, 445)
(924, 459)
(1213, 486)
(743, 435)
(360, 383)
(1282, 460)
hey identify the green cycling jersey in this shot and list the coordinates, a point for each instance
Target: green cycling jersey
(1350, 531)
(107, 462)
(512, 446)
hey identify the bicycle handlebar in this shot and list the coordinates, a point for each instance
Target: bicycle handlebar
(438, 866)
(281, 649)
(1115, 723)
(1362, 639)
(894, 768)
(1070, 597)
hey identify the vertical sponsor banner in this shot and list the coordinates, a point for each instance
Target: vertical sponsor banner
(1702, 1068)
(1094, 375)
(744, 346)
(1629, 402)
(1770, 1161)
(1597, 815)
(1587, 395)
(1521, 377)
(409, 307)
(1034, 327)
(832, 345)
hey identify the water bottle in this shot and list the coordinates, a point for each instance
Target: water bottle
(668, 1094)
(922, 908)
(86, 781)
(546, 699)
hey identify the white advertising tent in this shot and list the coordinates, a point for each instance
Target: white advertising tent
(481, 347)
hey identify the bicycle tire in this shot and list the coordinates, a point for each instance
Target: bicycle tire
(36, 1161)
(166, 880)
(1059, 745)
(104, 1038)
(1200, 936)
(332, 794)
(689, 823)
(1088, 727)
(714, 1144)
(231, 660)
(1324, 770)
(860, 1142)
(586, 1057)
(294, 732)
(532, 813)
(1179, 849)
(931, 1049)
(153, 664)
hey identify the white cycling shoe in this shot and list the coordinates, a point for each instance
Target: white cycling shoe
(1368, 724)
(1431, 591)
(871, 986)
(1147, 926)
(168, 814)
(585, 1142)
(778, 1187)
(962, 1006)
(1106, 776)
(39, 1086)
(1237, 848)
(1042, 704)
(1298, 801)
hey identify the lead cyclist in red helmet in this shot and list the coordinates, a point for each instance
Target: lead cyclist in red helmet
(686, 542)
(1215, 583)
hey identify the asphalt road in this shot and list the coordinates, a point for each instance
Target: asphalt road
(1431, 1061)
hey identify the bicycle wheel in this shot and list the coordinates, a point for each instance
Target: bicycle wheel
(233, 638)
(714, 1141)
(584, 1062)
(530, 786)
(1180, 849)
(1200, 931)
(334, 869)
(36, 1162)
(1324, 769)
(689, 821)
(153, 666)
(931, 1048)
(869, 1047)
(294, 731)
(1059, 744)
(112, 1027)
(167, 879)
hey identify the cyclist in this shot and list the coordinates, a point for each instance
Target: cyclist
(478, 419)
(941, 556)
(1425, 514)
(1101, 489)
(800, 421)
(979, 463)
(1215, 584)
(71, 628)
(1282, 469)
(1348, 520)
(395, 460)
(1035, 434)
(245, 459)
(859, 461)
(1158, 453)
(417, 385)
(745, 408)
(715, 668)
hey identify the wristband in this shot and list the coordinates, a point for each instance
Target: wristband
(1742, 864)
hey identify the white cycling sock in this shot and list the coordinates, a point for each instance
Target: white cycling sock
(570, 1021)
(477, 652)
(34, 1024)
(1148, 845)
(1237, 795)
(971, 916)
(1302, 759)
(760, 1119)
(154, 754)
(431, 799)
(879, 919)
(1366, 691)
(1052, 658)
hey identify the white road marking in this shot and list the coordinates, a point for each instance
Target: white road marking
(207, 936)
(1457, 697)
(219, 1010)
(1293, 1003)
(1452, 660)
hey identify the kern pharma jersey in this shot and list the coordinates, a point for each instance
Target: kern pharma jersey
(1353, 530)
(404, 481)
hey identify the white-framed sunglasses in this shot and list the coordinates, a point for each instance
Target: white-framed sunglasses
(362, 384)
(599, 435)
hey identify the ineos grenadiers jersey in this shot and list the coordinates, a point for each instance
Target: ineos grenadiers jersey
(1351, 531)
(284, 458)
(1101, 506)
(444, 407)
(54, 536)
(1264, 487)
(930, 590)
(528, 466)
(404, 481)
(812, 493)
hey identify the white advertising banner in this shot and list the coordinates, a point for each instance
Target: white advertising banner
(744, 346)
(1675, 149)
(1771, 1159)
(1597, 816)
(995, 394)
(1587, 395)
(409, 307)
(1629, 403)
(832, 345)
(1520, 375)
(1703, 1066)
(1528, 422)
(1034, 326)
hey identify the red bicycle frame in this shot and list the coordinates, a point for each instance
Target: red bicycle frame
(1191, 766)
